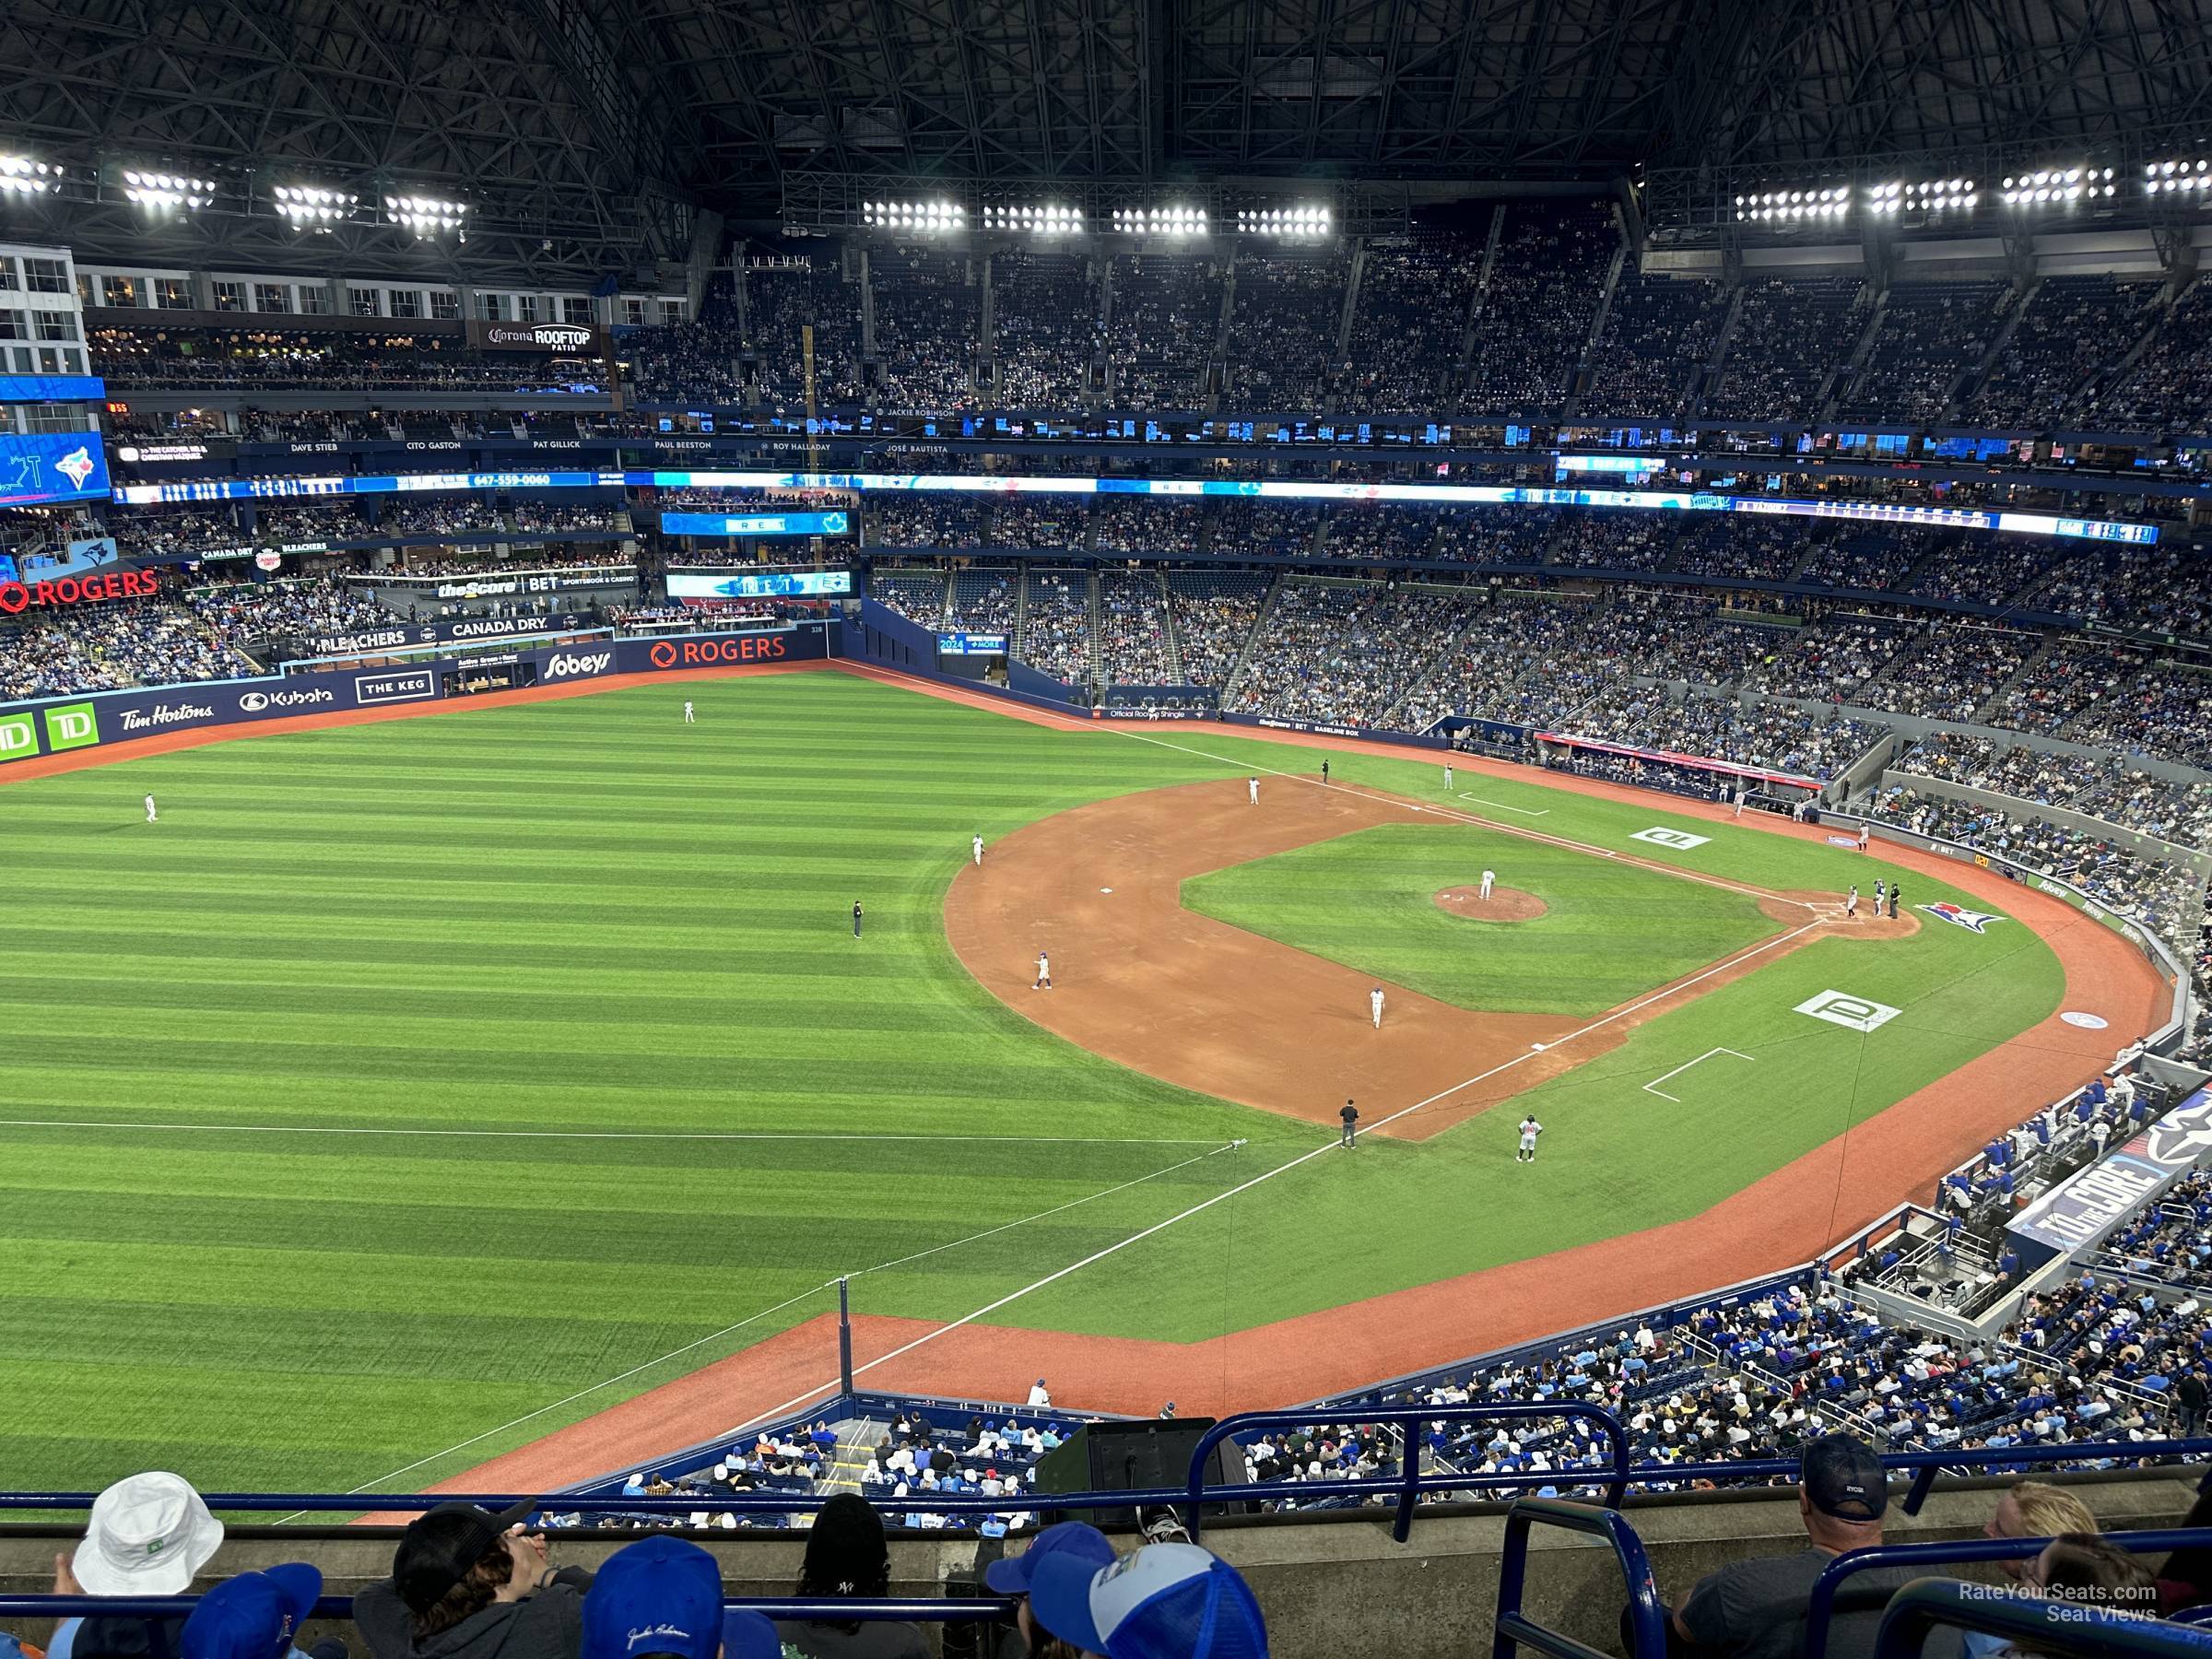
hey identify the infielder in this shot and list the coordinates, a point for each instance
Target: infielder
(1044, 974)
(1851, 905)
(1530, 1129)
(1252, 786)
(1374, 1004)
(1880, 888)
(1863, 838)
(979, 851)
(690, 718)
(1324, 772)
(1487, 878)
(150, 816)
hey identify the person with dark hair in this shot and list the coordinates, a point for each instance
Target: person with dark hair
(469, 1584)
(1014, 1574)
(847, 1556)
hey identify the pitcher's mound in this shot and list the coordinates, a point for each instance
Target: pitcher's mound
(1504, 904)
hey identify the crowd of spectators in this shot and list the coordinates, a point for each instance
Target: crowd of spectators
(447, 516)
(1950, 672)
(1214, 613)
(2069, 329)
(1406, 350)
(690, 362)
(898, 520)
(1344, 653)
(1930, 336)
(1593, 539)
(1045, 333)
(916, 595)
(2099, 785)
(1830, 660)
(154, 533)
(985, 601)
(1055, 625)
(263, 356)
(1659, 333)
(1042, 523)
(1535, 318)
(1147, 525)
(1132, 629)
(1165, 311)
(1986, 569)
(539, 517)
(1283, 327)
(1746, 546)
(929, 308)
(248, 612)
(2165, 894)
(1789, 339)
(105, 647)
(783, 298)
(1771, 735)
(2169, 383)
(1385, 536)
(1245, 524)
(2161, 589)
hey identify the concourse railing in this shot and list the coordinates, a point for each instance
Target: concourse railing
(1646, 1626)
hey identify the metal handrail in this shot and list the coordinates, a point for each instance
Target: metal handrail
(1409, 1483)
(1616, 1477)
(1821, 1605)
(797, 1609)
(2039, 1626)
(1647, 1613)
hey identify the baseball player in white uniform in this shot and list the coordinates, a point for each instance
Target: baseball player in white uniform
(1447, 774)
(1487, 878)
(150, 816)
(979, 851)
(1530, 1129)
(1375, 1004)
(690, 718)
(1252, 786)
(1044, 972)
(1739, 800)
(1851, 905)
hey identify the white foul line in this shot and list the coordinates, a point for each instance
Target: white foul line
(1501, 806)
(1267, 1175)
(618, 1134)
(581, 1394)
(1652, 1086)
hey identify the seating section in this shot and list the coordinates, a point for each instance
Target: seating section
(1055, 630)
(1790, 338)
(2070, 329)
(2170, 380)
(1658, 336)
(1213, 613)
(918, 594)
(1930, 338)
(1044, 328)
(929, 310)
(1406, 352)
(1535, 319)
(1133, 629)
(1283, 328)
(1166, 310)
(1332, 651)
(782, 299)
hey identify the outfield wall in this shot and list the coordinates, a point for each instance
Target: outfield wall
(58, 726)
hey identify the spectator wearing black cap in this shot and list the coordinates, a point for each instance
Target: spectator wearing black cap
(469, 1584)
(847, 1556)
(1755, 1609)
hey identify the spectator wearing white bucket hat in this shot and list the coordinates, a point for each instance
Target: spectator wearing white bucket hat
(148, 1535)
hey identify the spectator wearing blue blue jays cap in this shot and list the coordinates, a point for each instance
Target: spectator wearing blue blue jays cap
(1165, 1601)
(659, 1595)
(254, 1616)
(1077, 1541)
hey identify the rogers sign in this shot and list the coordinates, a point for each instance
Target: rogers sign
(709, 653)
(16, 597)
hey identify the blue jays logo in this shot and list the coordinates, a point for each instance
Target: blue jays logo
(1958, 915)
(76, 465)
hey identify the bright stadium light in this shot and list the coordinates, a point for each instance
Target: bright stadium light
(312, 207)
(938, 215)
(2058, 186)
(1829, 202)
(1044, 218)
(2178, 177)
(1307, 221)
(427, 216)
(20, 175)
(166, 191)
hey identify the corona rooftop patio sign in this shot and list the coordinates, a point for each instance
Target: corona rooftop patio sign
(16, 597)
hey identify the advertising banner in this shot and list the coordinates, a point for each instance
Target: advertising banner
(2081, 1209)
(755, 523)
(569, 339)
(37, 467)
(759, 584)
(971, 644)
(403, 635)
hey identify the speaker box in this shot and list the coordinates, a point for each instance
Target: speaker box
(1131, 1457)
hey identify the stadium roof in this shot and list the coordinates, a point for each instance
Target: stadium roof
(598, 125)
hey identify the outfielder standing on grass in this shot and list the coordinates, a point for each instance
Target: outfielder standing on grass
(1350, 1116)
(1530, 1129)
(856, 918)
(979, 851)
(690, 718)
(1447, 774)
(150, 816)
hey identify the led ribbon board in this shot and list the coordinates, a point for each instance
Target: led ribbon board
(755, 523)
(1427, 495)
(759, 584)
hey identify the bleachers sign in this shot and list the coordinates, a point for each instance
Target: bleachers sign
(2086, 1206)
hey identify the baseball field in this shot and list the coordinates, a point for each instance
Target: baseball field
(413, 1090)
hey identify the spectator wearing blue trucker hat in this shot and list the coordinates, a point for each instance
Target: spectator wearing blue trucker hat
(1165, 1601)
(664, 1596)
(1013, 1575)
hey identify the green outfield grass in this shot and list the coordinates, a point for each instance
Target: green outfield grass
(584, 919)
(1609, 930)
